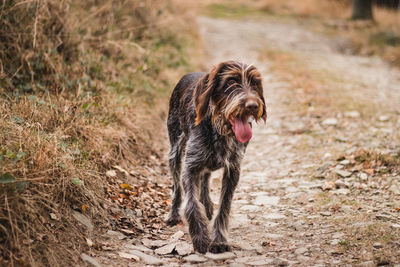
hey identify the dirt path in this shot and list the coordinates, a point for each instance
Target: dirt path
(297, 203)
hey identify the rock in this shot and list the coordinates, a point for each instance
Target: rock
(395, 226)
(177, 236)
(194, 258)
(183, 248)
(140, 248)
(264, 262)
(220, 256)
(342, 191)
(343, 173)
(128, 256)
(367, 264)
(383, 217)
(338, 235)
(383, 118)
(330, 122)
(111, 173)
(377, 245)
(274, 216)
(340, 184)
(266, 200)
(83, 220)
(53, 216)
(167, 249)
(90, 260)
(250, 208)
(154, 243)
(328, 186)
(115, 234)
(300, 251)
(363, 176)
(325, 213)
(395, 189)
(334, 242)
(146, 258)
(344, 162)
(352, 114)
(279, 262)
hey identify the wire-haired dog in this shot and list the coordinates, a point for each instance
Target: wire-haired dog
(209, 123)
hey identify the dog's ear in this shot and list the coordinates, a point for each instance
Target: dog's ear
(264, 111)
(207, 86)
(202, 95)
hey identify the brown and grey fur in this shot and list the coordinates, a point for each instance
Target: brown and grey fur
(202, 141)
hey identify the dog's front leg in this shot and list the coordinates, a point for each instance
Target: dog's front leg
(230, 180)
(194, 210)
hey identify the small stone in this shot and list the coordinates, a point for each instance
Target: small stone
(342, 191)
(140, 248)
(266, 200)
(146, 258)
(90, 260)
(300, 251)
(53, 216)
(177, 236)
(330, 122)
(310, 200)
(327, 156)
(343, 173)
(183, 248)
(328, 186)
(154, 243)
(395, 226)
(377, 245)
(395, 189)
(279, 262)
(363, 176)
(83, 220)
(352, 114)
(274, 216)
(250, 208)
(334, 242)
(128, 256)
(345, 162)
(326, 213)
(167, 249)
(383, 118)
(264, 262)
(383, 217)
(115, 234)
(220, 256)
(194, 258)
(111, 173)
(367, 264)
(337, 235)
(340, 184)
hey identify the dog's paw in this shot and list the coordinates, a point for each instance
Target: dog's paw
(219, 247)
(201, 245)
(172, 220)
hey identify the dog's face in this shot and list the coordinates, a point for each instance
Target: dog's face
(232, 94)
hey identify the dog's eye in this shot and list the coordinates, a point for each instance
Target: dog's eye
(231, 82)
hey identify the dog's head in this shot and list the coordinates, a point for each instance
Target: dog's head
(232, 94)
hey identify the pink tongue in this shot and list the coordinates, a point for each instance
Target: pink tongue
(242, 130)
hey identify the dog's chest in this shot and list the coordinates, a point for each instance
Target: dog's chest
(227, 152)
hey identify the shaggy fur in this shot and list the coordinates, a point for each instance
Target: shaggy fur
(204, 109)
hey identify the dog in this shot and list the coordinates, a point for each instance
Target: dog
(209, 127)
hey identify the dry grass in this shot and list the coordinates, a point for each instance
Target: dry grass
(81, 85)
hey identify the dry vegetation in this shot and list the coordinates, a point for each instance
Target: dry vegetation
(80, 86)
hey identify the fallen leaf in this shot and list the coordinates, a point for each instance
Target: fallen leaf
(126, 186)
(84, 208)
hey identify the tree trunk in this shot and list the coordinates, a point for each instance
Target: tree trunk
(362, 9)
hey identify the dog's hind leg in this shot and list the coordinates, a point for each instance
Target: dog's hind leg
(230, 180)
(205, 195)
(175, 162)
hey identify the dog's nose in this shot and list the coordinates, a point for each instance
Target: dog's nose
(251, 106)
